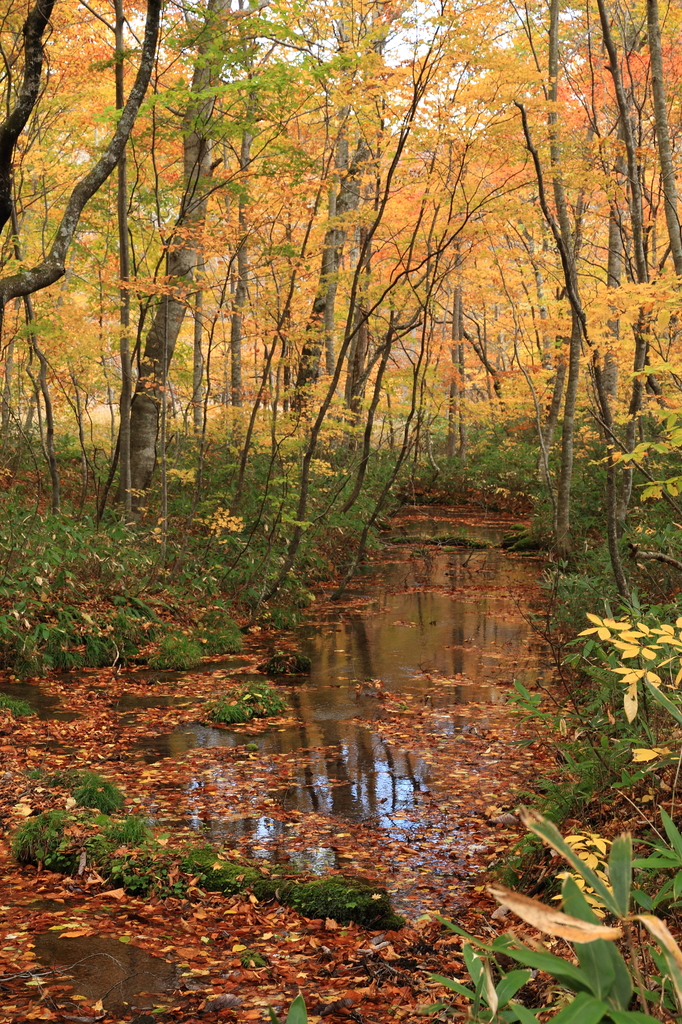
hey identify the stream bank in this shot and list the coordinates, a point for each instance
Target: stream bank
(399, 751)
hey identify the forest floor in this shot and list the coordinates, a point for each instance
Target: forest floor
(432, 858)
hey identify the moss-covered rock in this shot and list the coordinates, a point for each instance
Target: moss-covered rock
(343, 898)
(124, 851)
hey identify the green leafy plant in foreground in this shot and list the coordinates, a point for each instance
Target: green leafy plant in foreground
(297, 1012)
(601, 986)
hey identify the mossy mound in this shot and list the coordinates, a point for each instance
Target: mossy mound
(15, 706)
(255, 700)
(345, 899)
(520, 540)
(124, 851)
(286, 665)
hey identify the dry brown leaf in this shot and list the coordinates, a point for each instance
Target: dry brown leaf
(550, 921)
(660, 932)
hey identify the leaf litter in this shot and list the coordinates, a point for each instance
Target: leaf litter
(430, 849)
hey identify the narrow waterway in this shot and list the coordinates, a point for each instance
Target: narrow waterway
(388, 763)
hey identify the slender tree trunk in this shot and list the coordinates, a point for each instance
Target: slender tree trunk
(49, 439)
(563, 499)
(665, 155)
(612, 525)
(125, 493)
(242, 286)
(7, 393)
(198, 367)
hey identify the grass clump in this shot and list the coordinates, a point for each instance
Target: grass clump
(89, 789)
(286, 665)
(176, 651)
(14, 705)
(94, 791)
(57, 839)
(255, 700)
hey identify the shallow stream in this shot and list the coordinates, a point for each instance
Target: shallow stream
(441, 626)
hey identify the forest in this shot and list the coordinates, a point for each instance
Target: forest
(340, 522)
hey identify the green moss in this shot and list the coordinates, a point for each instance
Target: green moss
(125, 852)
(345, 899)
(229, 877)
(177, 651)
(286, 665)
(255, 700)
(14, 705)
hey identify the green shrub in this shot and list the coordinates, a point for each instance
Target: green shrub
(226, 639)
(41, 839)
(593, 981)
(14, 705)
(255, 700)
(176, 651)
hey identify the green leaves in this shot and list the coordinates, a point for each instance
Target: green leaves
(551, 835)
(620, 872)
(297, 1012)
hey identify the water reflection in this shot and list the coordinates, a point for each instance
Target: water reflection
(122, 976)
(439, 649)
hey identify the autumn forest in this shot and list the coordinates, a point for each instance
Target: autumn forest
(340, 554)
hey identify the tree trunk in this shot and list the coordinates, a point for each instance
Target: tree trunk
(563, 498)
(665, 155)
(183, 255)
(242, 288)
(124, 273)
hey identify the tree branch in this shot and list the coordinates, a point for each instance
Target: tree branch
(52, 267)
(16, 120)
